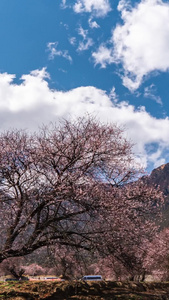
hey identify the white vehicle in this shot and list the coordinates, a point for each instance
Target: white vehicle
(92, 277)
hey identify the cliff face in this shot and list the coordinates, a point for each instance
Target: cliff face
(160, 177)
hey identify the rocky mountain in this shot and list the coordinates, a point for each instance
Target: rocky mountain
(160, 177)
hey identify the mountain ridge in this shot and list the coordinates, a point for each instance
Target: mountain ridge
(159, 177)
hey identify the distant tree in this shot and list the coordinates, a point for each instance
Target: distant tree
(35, 270)
(69, 263)
(109, 268)
(16, 267)
(132, 220)
(13, 266)
(68, 185)
(156, 261)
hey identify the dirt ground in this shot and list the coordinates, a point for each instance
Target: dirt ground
(78, 290)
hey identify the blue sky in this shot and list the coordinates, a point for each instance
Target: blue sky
(66, 58)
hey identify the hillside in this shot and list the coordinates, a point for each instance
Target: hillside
(159, 177)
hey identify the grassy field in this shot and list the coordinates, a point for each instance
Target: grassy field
(83, 290)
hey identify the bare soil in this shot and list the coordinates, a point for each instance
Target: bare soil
(78, 290)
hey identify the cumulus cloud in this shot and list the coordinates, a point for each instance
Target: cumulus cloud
(141, 43)
(103, 56)
(99, 8)
(53, 51)
(32, 103)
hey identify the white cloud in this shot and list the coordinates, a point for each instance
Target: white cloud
(87, 41)
(72, 41)
(85, 45)
(83, 32)
(141, 44)
(99, 8)
(32, 103)
(93, 24)
(103, 56)
(52, 48)
(150, 92)
(63, 4)
(155, 158)
(112, 95)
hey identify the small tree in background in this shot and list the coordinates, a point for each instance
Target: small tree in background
(131, 218)
(68, 262)
(109, 268)
(35, 270)
(157, 260)
(13, 266)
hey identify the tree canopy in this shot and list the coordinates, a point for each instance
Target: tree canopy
(71, 185)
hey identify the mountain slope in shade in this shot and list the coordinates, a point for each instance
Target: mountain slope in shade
(160, 177)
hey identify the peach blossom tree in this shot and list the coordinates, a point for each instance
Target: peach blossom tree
(71, 185)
